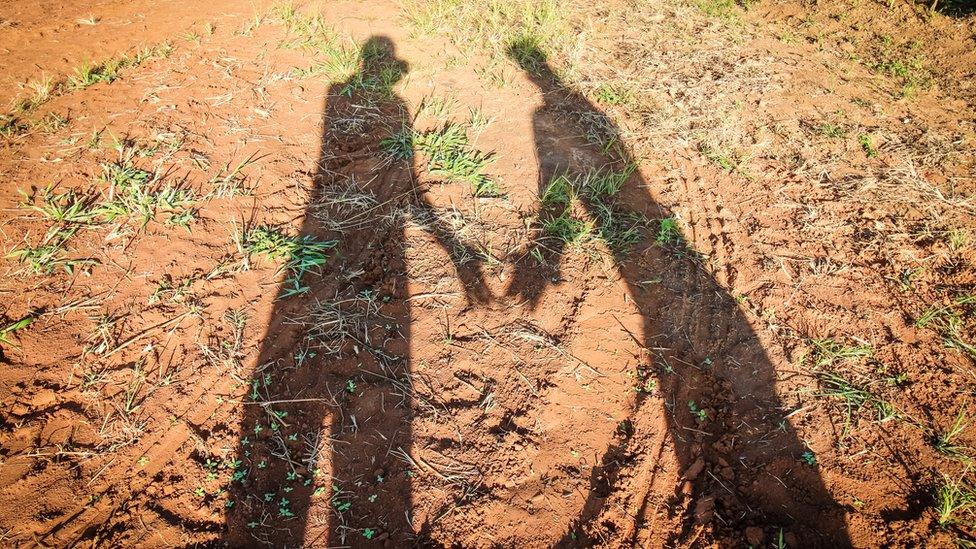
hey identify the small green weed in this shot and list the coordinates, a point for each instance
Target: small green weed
(602, 184)
(645, 383)
(171, 291)
(526, 49)
(50, 253)
(301, 254)
(42, 90)
(399, 146)
(52, 122)
(619, 229)
(699, 414)
(9, 329)
(827, 352)
(726, 161)
(134, 193)
(950, 321)
(780, 542)
(945, 442)
(478, 120)
(609, 94)
(570, 230)
(854, 397)
(559, 192)
(828, 129)
(722, 9)
(424, 18)
(11, 126)
(866, 144)
(448, 154)
(957, 239)
(341, 61)
(88, 73)
(434, 106)
(85, 75)
(669, 233)
(951, 498)
(904, 63)
(66, 207)
(364, 69)
(229, 183)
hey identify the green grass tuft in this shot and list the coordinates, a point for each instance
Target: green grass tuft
(301, 254)
(399, 146)
(669, 233)
(449, 155)
(621, 230)
(50, 253)
(950, 322)
(827, 352)
(946, 443)
(134, 193)
(9, 329)
(67, 207)
(952, 497)
(854, 397)
(571, 231)
(526, 49)
(89, 74)
(559, 192)
(618, 228)
(602, 184)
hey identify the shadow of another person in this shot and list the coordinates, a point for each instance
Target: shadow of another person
(738, 454)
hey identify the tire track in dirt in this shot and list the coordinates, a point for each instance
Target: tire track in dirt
(159, 451)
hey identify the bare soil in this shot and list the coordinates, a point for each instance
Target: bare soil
(455, 374)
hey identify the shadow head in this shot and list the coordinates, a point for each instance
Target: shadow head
(526, 51)
(380, 63)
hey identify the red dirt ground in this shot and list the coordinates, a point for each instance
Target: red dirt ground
(455, 376)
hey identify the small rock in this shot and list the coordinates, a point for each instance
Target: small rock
(20, 409)
(704, 510)
(692, 472)
(43, 398)
(754, 535)
(56, 432)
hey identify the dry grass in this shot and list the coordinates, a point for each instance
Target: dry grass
(660, 83)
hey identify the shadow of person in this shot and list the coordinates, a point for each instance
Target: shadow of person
(741, 461)
(328, 407)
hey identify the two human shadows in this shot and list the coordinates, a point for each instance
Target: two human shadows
(314, 444)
